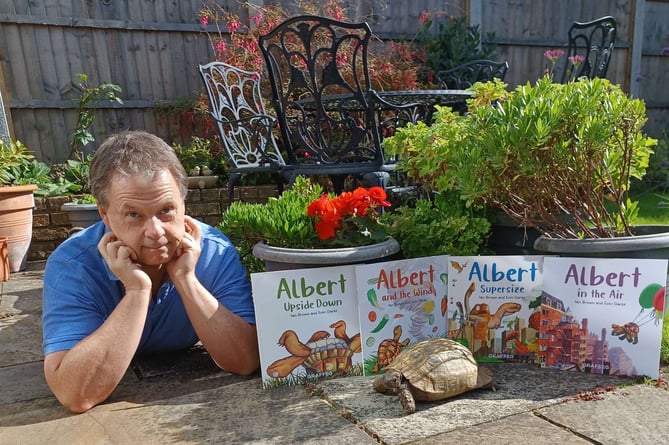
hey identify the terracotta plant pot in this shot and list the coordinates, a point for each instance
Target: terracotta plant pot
(4, 259)
(16, 222)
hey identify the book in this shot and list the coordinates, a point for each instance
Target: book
(493, 305)
(307, 322)
(400, 303)
(603, 316)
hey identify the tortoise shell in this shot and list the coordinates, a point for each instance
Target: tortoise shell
(328, 355)
(439, 368)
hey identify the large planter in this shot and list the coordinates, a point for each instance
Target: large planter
(651, 241)
(507, 237)
(282, 258)
(81, 215)
(16, 222)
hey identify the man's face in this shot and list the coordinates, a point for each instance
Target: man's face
(147, 214)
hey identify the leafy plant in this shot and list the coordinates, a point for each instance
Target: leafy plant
(557, 157)
(19, 167)
(393, 66)
(449, 41)
(198, 153)
(282, 221)
(90, 97)
(442, 226)
(657, 173)
(12, 155)
(76, 171)
(86, 198)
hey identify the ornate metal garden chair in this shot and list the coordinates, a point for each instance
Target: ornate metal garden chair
(245, 128)
(323, 99)
(464, 76)
(593, 43)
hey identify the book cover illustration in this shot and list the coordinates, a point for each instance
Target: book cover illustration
(603, 316)
(493, 305)
(400, 303)
(307, 323)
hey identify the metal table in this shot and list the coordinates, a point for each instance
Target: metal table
(403, 106)
(417, 105)
(425, 97)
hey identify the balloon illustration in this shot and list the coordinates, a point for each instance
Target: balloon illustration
(651, 297)
(658, 300)
(647, 295)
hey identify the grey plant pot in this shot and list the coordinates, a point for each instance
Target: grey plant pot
(81, 215)
(651, 241)
(283, 258)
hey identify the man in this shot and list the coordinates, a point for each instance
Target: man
(145, 279)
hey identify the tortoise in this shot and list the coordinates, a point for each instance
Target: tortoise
(430, 370)
(388, 349)
(321, 354)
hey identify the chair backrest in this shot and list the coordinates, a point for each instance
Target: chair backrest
(320, 86)
(237, 106)
(592, 43)
(464, 76)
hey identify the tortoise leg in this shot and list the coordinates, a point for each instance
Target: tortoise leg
(406, 398)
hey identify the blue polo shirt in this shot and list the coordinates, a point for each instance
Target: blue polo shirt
(80, 292)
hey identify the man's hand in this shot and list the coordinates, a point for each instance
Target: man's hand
(122, 261)
(186, 256)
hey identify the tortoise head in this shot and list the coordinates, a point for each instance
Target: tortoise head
(388, 382)
(484, 378)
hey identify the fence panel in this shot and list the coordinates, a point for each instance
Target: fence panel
(152, 49)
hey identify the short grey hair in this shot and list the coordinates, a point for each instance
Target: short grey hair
(131, 153)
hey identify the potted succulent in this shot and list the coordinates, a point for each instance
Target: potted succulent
(556, 158)
(304, 227)
(16, 203)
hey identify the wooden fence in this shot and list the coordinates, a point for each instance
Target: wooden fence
(152, 48)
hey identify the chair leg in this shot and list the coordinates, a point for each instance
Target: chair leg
(279, 182)
(232, 181)
(380, 179)
(338, 182)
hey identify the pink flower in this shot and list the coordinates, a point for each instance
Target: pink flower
(423, 17)
(576, 60)
(220, 48)
(204, 20)
(234, 24)
(257, 19)
(553, 54)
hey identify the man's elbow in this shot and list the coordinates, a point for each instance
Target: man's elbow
(241, 367)
(77, 405)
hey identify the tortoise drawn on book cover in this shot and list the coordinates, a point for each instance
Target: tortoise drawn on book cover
(389, 348)
(321, 355)
(480, 319)
(651, 299)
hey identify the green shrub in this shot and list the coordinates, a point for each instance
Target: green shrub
(443, 226)
(281, 222)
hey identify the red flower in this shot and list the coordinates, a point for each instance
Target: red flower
(340, 212)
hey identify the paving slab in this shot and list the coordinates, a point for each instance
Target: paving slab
(630, 415)
(521, 388)
(184, 398)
